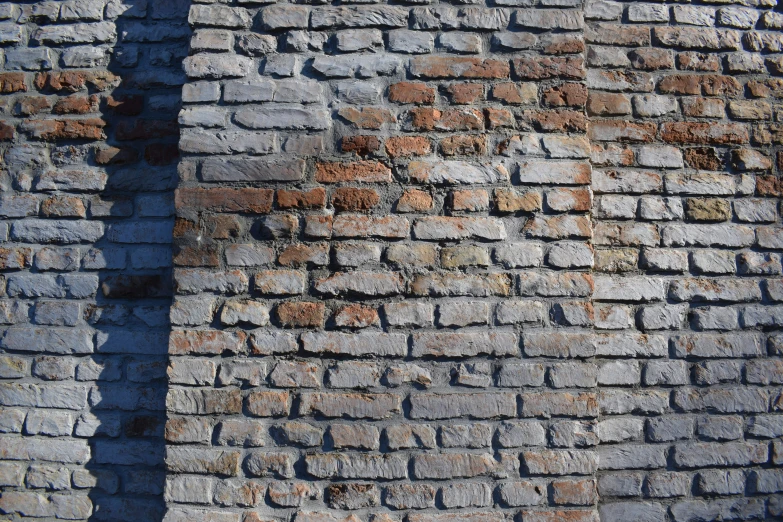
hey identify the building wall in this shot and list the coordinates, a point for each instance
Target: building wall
(433, 262)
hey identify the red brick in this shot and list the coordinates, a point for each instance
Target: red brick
(360, 145)
(349, 198)
(76, 105)
(453, 67)
(465, 93)
(413, 200)
(608, 104)
(702, 158)
(251, 200)
(357, 171)
(356, 316)
(73, 81)
(543, 68)
(12, 82)
(470, 200)
(89, 129)
(398, 146)
(708, 84)
(704, 133)
(509, 200)
(302, 253)
(424, 119)
(301, 314)
(557, 121)
(564, 44)
(565, 95)
(411, 92)
(63, 206)
(213, 342)
(302, 199)
(498, 118)
(651, 59)
(692, 61)
(770, 186)
(466, 145)
(367, 117)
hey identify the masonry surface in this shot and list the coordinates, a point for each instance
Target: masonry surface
(432, 261)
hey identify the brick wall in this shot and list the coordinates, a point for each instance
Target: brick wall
(90, 95)
(432, 262)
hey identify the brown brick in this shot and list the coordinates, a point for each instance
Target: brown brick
(222, 226)
(411, 92)
(557, 120)
(692, 61)
(301, 314)
(608, 104)
(139, 129)
(7, 132)
(303, 253)
(704, 133)
(360, 145)
(413, 200)
(357, 171)
(353, 199)
(702, 158)
(708, 84)
(12, 82)
(498, 118)
(223, 199)
(73, 81)
(356, 316)
(470, 200)
(624, 131)
(465, 145)
(544, 68)
(514, 93)
(88, 129)
(564, 44)
(198, 255)
(127, 105)
(465, 93)
(399, 146)
(453, 67)
(159, 154)
(15, 257)
(301, 199)
(574, 492)
(63, 206)
(425, 119)
(267, 403)
(651, 59)
(115, 156)
(76, 105)
(565, 95)
(206, 342)
(769, 186)
(367, 117)
(510, 200)
(31, 105)
(707, 209)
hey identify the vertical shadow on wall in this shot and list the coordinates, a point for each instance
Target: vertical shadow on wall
(130, 316)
